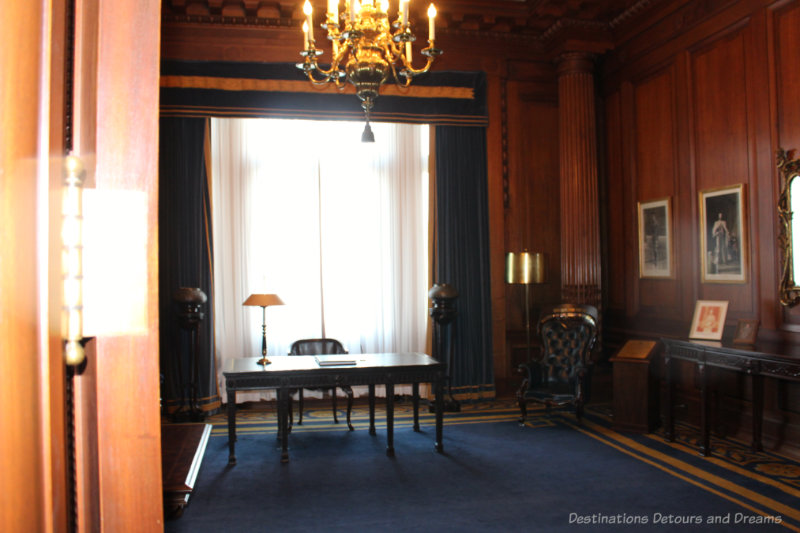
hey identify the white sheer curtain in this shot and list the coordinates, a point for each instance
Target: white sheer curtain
(336, 228)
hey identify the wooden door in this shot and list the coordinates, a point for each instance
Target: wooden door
(32, 472)
(107, 111)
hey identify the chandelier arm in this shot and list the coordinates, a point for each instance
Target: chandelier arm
(340, 53)
(411, 71)
(395, 75)
(310, 74)
(401, 84)
(338, 81)
(334, 69)
(310, 65)
(394, 51)
(389, 54)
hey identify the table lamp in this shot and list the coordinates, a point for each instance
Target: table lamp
(262, 301)
(525, 269)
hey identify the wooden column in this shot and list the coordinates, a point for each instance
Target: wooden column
(580, 221)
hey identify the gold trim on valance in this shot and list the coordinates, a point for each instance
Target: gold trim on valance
(411, 118)
(303, 86)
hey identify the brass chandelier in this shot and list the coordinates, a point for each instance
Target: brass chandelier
(366, 49)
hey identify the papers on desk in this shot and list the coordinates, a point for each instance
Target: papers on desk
(334, 361)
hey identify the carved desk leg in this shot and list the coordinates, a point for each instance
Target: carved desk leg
(415, 401)
(333, 405)
(758, 409)
(705, 441)
(439, 413)
(390, 419)
(371, 408)
(349, 393)
(669, 423)
(231, 426)
(283, 422)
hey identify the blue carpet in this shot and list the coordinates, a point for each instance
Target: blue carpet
(552, 475)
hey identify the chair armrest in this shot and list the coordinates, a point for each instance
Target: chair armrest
(533, 374)
(531, 368)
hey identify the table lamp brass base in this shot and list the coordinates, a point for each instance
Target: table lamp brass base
(264, 361)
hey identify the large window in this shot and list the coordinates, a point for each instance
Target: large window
(338, 229)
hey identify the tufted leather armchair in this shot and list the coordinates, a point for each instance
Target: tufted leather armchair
(322, 347)
(560, 377)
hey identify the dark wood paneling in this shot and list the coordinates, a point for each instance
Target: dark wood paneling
(655, 172)
(617, 239)
(786, 42)
(531, 218)
(720, 134)
(712, 99)
(697, 124)
(654, 107)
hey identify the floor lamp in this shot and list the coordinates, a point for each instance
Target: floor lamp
(190, 315)
(443, 312)
(525, 269)
(263, 301)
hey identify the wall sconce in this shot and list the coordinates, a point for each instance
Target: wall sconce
(525, 269)
(263, 301)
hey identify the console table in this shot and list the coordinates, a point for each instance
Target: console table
(301, 371)
(757, 361)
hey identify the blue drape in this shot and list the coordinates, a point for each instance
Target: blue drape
(458, 109)
(184, 229)
(462, 254)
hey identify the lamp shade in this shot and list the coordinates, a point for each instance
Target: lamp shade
(263, 300)
(525, 268)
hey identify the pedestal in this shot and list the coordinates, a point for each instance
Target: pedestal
(443, 312)
(190, 316)
(635, 387)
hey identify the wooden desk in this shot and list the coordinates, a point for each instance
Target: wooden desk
(301, 371)
(758, 362)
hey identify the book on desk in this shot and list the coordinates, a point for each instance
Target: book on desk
(334, 361)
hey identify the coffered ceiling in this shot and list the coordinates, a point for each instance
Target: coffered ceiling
(532, 18)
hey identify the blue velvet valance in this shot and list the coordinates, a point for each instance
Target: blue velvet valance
(281, 90)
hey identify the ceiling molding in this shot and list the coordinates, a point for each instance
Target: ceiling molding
(508, 20)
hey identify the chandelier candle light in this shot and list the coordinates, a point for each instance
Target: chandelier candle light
(366, 49)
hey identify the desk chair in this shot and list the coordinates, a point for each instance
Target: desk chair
(322, 347)
(561, 376)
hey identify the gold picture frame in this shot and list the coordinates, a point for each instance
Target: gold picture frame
(655, 238)
(723, 235)
(708, 321)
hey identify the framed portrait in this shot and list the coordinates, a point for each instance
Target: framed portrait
(655, 239)
(723, 239)
(709, 319)
(746, 331)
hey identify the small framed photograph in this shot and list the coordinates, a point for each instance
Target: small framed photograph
(709, 319)
(723, 239)
(655, 239)
(746, 332)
